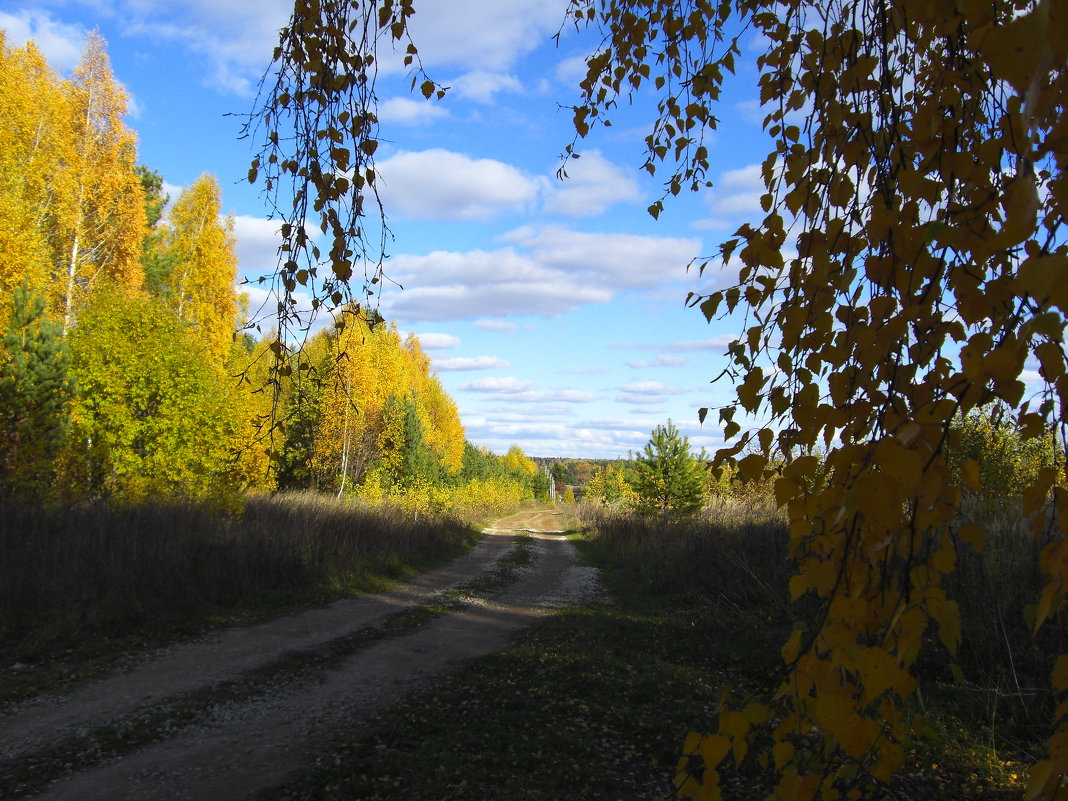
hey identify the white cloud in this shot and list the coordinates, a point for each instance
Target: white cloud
(263, 310)
(482, 34)
(593, 184)
(438, 341)
(738, 191)
(584, 371)
(409, 111)
(571, 70)
(440, 184)
(171, 191)
(620, 260)
(719, 343)
(451, 286)
(515, 390)
(553, 396)
(651, 387)
(638, 399)
(750, 110)
(481, 86)
(257, 241)
(508, 385)
(646, 393)
(660, 361)
(471, 363)
(234, 38)
(592, 438)
(550, 271)
(61, 44)
(502, 326)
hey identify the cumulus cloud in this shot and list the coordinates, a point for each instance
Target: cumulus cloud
(646, 393)
(409, 111)
(584, 371)
(739, 191)
(503, 326)
(621, 260)
(593, 438)
(482, 34)
(571, 70)
(257, 242)
(651, 387)
(593, 184)
(481, 86)
(471, 363)
(716, 343)
(546, 272)
(516, 390)
(443, 185)
(750, 110)
(662, 360)
(234, 39)
(447, 285)
(438, 341)
(507, 385)
(60, 43)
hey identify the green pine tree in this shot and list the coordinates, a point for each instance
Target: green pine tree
(35, 395)
(416, 461)
(158, 263)
(669, 479)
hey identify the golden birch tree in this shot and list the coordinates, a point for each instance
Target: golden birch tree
(198, 245)
(33, 110)
(910, 260)
(98, 221)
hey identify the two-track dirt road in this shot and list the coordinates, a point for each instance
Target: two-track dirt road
(230, 750)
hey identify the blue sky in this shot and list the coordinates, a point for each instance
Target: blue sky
(553, 311)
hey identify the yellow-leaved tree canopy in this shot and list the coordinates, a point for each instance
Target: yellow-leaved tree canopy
(198, 245)
(31, 105)
(911, 261)
(71, 204)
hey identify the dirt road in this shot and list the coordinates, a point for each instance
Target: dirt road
(264, 728)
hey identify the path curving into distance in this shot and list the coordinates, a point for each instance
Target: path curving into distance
(233, 749)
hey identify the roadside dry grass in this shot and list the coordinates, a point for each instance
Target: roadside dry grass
(86, 587)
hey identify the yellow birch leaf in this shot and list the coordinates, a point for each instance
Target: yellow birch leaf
(782, 752)
(1038, 779)
(713, 749)
(1060, 673)
(974, 535)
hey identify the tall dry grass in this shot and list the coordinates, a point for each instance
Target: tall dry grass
(70, 573)
(995, 590)
(733, 553)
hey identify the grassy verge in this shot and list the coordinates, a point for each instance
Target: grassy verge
(84, 589)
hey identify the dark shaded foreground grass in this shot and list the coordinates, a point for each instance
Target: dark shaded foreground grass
(594, 703)
(84, 588)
